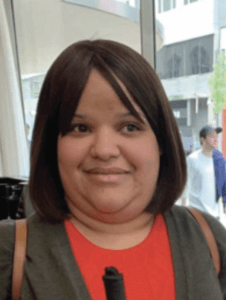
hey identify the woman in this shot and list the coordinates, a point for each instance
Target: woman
(107, 165)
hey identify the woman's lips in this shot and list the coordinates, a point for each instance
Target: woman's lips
(110, 175)
(106, 171)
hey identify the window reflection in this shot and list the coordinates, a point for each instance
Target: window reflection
(129, 2)
(185, 63)
(189, 1)
(125, 8)
(199, 60)
(174, 66)
(41, 36)
(186, 58)
(166, 5)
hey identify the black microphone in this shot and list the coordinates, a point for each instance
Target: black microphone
(113, 283)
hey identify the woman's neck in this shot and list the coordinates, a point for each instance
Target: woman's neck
(115, 236)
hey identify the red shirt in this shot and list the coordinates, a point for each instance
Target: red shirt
(147, 268)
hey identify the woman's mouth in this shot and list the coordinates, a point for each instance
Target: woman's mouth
(108, 175)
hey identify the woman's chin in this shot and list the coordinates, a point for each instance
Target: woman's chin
(113, 212)
(112, 208)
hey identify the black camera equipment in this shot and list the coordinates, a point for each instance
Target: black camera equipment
(10, 193)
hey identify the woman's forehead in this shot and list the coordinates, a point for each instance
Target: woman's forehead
(98, 93)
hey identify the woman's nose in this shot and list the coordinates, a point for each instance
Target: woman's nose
(105, 145)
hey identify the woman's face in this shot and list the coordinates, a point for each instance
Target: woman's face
(109, 161)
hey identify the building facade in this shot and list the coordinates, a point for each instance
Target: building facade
(192, 30)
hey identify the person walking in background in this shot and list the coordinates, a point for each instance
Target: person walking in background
(206, 174)
(220, 175)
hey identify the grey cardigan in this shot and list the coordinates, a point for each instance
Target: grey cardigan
(51, 271)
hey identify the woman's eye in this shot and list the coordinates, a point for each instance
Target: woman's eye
(80, 128)
(131, 128)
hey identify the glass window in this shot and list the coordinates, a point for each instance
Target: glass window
(186, 58)
(189, 1)
(191, 53)
(159, 6)
(166, 5)
(42, 35)
(174, 3)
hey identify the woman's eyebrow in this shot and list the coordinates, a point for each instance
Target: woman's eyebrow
(80, 116)
(120, 115)
(129, 114)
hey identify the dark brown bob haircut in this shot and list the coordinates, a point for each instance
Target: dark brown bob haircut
(59, 98)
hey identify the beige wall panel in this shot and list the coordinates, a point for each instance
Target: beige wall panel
(45, 28)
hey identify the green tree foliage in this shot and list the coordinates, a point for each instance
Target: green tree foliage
(217, 83)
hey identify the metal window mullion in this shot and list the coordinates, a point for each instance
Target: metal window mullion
(199, 57)
(173, 59)
(147, 25)
(159, 6)
(189, 112)
(16, 54)
(174, 4)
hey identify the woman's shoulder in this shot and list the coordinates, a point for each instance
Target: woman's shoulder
(182, 226)
(36, 229)
(181, 212)
(7, 230)
(181, 217)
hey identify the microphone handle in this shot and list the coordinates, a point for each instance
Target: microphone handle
(113, 283)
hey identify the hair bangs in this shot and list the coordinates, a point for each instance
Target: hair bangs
(130, 71)
(110, 77)
(76, 75)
